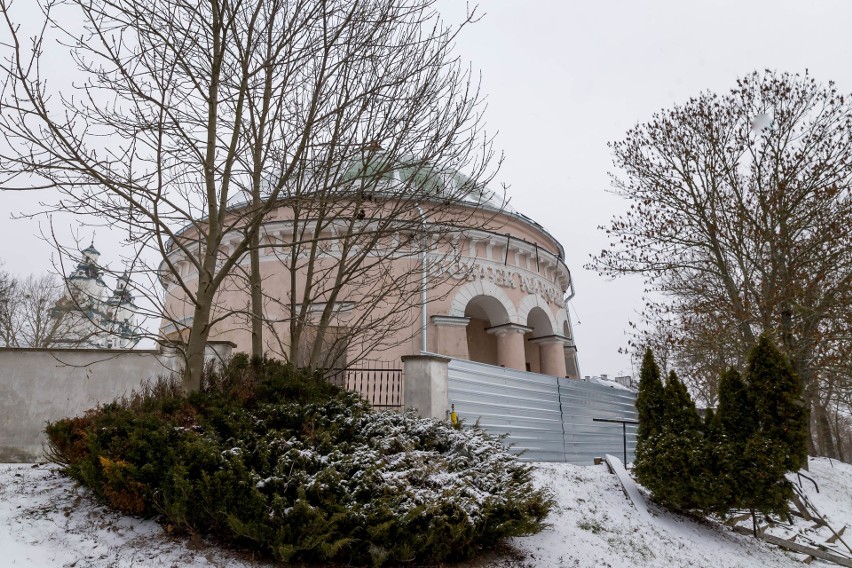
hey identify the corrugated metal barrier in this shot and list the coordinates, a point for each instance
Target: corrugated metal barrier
(545, 418)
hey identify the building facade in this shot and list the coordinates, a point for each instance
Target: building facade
(496, 293)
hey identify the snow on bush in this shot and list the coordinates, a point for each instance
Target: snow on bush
(318, 479)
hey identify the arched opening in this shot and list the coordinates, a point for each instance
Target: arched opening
(484, 312)
(540, 325)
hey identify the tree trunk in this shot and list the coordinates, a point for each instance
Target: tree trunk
(810, 396)
(256, 300)
(825, 436)
(198, 335)
(200, 329)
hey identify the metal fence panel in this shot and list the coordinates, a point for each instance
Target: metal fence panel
(523, 406)
(586, 439)
(545, 418)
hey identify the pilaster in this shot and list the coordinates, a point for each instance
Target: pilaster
(451, 336)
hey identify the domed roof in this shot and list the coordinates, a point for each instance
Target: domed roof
(428, 178)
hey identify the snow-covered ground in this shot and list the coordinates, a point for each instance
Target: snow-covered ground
(46, 520)
(594, 525)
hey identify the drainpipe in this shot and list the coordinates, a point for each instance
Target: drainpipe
(423, 319)
(570, 323)
(570, 285)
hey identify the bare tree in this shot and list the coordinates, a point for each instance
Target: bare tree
(741, 219)
(26, 310)
(698, 347)
(196, 120)
(7, 290)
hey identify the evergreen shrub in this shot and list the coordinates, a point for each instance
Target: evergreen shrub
(764, 423)
(728, 433)
(277, 460)
(737, 457)
(649, 408)
(779, 405)
(674, 451)
(649, 399)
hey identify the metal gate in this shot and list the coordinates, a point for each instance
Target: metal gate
(543, 417)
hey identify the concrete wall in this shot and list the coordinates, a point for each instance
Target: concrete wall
(38, 386)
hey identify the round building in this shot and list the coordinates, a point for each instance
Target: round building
(466, 277)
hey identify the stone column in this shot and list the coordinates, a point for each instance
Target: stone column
(552, 357)
(510, 345)
(451, 336)
(426, 384)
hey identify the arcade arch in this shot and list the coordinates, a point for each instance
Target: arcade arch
(496, 333)
(540, 327)
(483, 288)
(484, 313)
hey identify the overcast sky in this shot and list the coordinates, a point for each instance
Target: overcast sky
(562, 79)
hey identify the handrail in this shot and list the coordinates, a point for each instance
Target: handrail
(811, 479)
(624, 424)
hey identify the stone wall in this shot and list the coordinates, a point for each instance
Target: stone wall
(38, 386)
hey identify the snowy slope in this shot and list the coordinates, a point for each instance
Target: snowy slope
(595, 525)
(46, 520)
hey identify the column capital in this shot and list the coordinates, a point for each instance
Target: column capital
(508, 328)
(450, 321)
(550, 339)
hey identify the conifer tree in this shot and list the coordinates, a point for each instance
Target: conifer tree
(778, 403)
(649, 400)
(709, 420)
(736, 458)
(680, 452)
(713, 482)
(649, 408)
(768, 424)
(671, 461)
(733, 425)
(736, 415)
(678, 407)
(761, 484)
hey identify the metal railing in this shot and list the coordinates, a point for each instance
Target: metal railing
(378, 382)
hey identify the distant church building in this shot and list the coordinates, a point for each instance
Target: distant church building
(88, 316)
